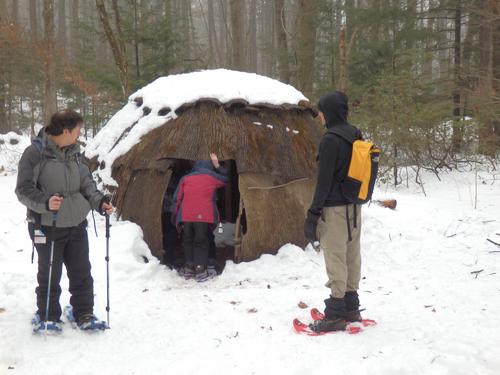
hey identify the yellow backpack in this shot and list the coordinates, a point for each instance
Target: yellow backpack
(358, 185)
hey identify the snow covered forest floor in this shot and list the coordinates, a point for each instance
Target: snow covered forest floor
(431, 281)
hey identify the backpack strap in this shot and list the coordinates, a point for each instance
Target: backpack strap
(350, 139)
(344, 135)
(40, 147)
(349, 230)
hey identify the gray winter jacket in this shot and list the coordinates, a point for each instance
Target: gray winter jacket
(45, 170)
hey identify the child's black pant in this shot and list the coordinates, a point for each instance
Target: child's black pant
(195, 242)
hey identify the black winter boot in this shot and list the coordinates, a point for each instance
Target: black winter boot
(334, 319)
(351, 300)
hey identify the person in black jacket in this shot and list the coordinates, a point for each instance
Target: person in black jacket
(334, 220)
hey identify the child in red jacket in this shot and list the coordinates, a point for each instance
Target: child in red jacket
(196, 214)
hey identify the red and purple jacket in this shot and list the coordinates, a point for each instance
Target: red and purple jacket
(196, 195)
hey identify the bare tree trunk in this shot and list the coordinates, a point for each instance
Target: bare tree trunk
(32, 118)
(443, 54)
(192, 34)
(252, 33)
(306, 33)
(267, 37)
(74, 32)
(224, 33)
(457, 127)
(15, 12)
(280, 25)
(4, 127)
(116, 42)
(410, 22)
(185, 29)
(237, 33)
(50, 95)
(167, 6)
(33, 21)
(345, 47)
(485, 79)
(61, 23)
(211, 36)
(342, 81)
(495, 45)
(6, 86)
(136, 42)
(101, 44)
(215, 54)
(429, 56)
(337, 27)
(3, 86)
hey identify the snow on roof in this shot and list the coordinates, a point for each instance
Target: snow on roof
(127, 126)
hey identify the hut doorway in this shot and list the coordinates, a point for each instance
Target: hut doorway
(225, 236)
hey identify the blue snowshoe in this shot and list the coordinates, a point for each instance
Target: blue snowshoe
(203, 274)
(51, 327)
(87, 322)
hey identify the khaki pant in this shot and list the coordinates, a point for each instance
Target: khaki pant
(342, 257)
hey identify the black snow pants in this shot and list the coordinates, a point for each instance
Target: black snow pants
(196, 243)
(71, 248)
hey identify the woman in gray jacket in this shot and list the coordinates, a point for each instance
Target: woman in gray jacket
(57, 187)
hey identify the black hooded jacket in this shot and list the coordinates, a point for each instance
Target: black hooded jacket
(334, 152)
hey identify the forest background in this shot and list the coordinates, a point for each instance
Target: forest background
(423, 76)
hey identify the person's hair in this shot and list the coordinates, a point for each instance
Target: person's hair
(65, 119)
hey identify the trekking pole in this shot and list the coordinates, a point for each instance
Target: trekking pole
(107, 265)
(54, 219)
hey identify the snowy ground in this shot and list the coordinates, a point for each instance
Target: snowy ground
(435, 316)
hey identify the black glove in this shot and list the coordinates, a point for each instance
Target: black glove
(105, 199)
(310, 226)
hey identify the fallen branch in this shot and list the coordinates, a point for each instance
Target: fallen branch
(493, 242)
(477, 272)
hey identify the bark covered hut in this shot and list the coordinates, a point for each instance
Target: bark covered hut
(263, 131)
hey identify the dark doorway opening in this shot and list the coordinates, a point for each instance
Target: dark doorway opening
(228, 203)
(172, 244)
(222, 239)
